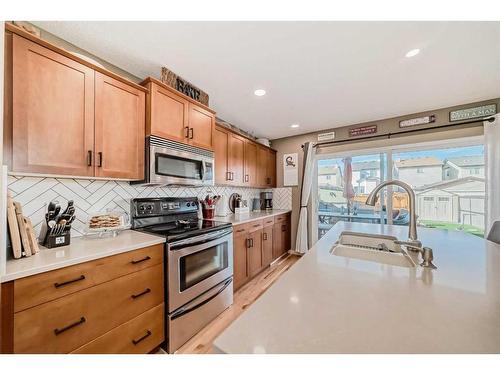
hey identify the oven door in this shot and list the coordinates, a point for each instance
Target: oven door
(175, 167)
(197, 264)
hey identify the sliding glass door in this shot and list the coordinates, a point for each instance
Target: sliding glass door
(448, 179)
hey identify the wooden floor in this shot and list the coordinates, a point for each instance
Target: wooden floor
(244, 297)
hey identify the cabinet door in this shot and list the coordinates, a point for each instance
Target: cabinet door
(221, 155)
(262, 162)
(271, 169)
(53, 112)
(168, 114)
(119, 129)
(267, 246)
(250, 163)
(236, 159)
(240, 270)
(255, 253)
(201, 127)
(277, 241)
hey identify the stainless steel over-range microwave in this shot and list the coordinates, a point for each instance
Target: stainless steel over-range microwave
(174, 163)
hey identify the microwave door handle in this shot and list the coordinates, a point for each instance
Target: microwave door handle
(203, 170)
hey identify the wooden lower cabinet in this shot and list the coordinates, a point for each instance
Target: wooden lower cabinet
(121, 312)
(240, 269)
(254, 258)
(267, 245)
(257, 244)
(139, 335)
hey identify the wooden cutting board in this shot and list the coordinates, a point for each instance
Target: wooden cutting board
(31, 235)
(22, 229)
(15, 238)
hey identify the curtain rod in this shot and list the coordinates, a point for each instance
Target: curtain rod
(389, 135)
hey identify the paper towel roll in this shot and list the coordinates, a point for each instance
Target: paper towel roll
(222, 206)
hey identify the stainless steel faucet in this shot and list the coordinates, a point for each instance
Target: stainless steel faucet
(412, 229)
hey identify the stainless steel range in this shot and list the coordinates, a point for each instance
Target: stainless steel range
(198, 263)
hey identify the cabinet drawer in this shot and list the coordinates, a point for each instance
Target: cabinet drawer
(280, 218)
(255, 225)
(268, 221)
(241, 229)
(34, 290)
(67, 323)
(139, 335)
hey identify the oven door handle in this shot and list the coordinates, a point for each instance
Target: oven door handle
(200, 239)
(196, 303)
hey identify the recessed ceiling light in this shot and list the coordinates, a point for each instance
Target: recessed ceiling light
(413, 52)
(294, 125)
(260, 92)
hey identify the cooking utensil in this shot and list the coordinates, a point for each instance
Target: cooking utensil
(22, 229)
(15, 238)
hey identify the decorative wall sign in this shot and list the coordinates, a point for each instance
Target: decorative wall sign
(417, 121)
(173, 80)
(475, 112)
(330, 136)
(290, 169)
(362, 130)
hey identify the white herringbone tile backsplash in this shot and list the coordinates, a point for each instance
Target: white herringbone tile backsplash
(92, 196)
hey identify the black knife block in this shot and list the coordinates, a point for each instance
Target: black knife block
(56, 240)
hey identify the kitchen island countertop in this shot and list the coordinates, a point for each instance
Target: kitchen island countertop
(81, 249)
(332, 304)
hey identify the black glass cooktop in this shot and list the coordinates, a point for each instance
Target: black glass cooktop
(184, 228)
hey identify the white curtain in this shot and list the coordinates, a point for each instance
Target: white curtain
(492, 151)
(301, 243)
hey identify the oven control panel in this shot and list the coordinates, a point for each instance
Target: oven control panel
(141, 207)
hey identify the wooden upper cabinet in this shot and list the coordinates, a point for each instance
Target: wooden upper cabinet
(167, 114)
(271, 169)
(221, 155)
(236, 159)
(262, 166)
(251, 163)
(201, 127)
(175, 116)
(119, 129)
(52, 111)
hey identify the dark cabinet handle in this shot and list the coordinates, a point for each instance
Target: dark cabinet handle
(148, 333)
(186, 134)
(58, 285)
(248, 243)
(228, 176)
(99, 154)
(134, 296)
(147, 257)
(191, 133)
(58, 331)
(283, 228)
(89, 158)
(232, 176)
(256, 225)
(268, 180)
(240, 230)
(246, 178)
(264, 235)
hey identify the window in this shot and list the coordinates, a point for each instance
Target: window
(445, 197)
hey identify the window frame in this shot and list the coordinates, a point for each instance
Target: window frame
(390, 151)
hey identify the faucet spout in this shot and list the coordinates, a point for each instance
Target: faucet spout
(372, 198)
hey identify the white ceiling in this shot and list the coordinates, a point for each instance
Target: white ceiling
(318, 74)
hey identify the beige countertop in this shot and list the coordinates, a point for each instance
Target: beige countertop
(81, 249)
(331, 304)
(251, 216)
